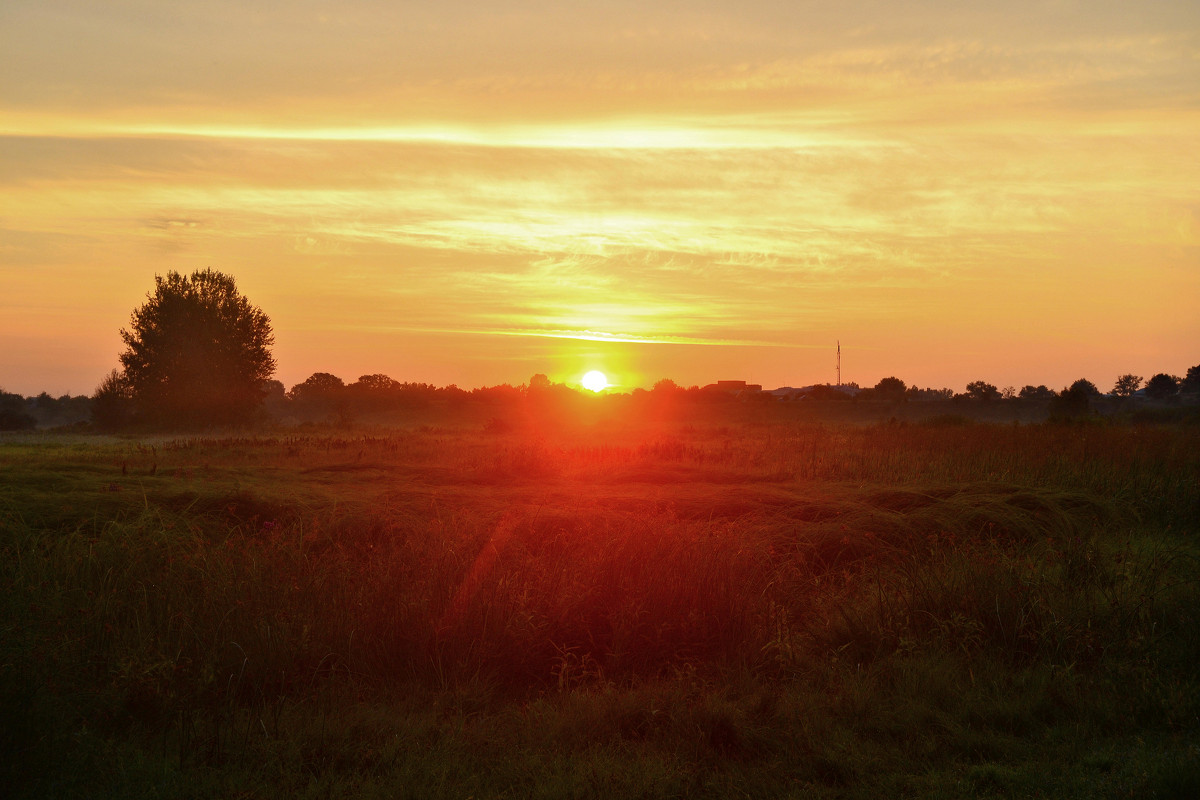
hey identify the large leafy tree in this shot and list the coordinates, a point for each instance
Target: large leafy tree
(197, 352)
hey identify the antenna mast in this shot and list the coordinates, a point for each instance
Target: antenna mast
(839, 363)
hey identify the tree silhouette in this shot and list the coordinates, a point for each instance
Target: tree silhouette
(112, 403)
(322, 394)
(824, 392)
(318, 386)
(981, 390)
(1162, 386)
(1073, 401)
(13, 414)
(373, 393)
(917, 393)
(197, 352)
(890, 388)
(378, 382)
(1040, 392)
(1126, 385)
(1191, 381)
(1085, 386)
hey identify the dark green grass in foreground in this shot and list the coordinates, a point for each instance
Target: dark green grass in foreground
(770, 611)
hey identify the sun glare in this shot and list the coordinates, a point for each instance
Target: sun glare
(595, 381)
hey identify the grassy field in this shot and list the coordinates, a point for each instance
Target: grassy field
(937, 609)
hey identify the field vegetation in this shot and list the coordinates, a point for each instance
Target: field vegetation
(683, 608)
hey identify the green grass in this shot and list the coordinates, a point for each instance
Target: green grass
(767, 610)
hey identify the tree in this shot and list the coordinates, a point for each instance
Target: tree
(112, 402)
(320, 386)
(1126, 385)
(917, 393)
(1039, 392)
(197, 352)
(826, 392)
(273, 390)
(1191, 381)
(376, 383)
(890, 388)
(321, 394)
(1162, 386)
(375, 392)
(1072, 402)
(1085, 386)
(981, 390)
(13, 413)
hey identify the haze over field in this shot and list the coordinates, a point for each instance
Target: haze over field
(474, 192)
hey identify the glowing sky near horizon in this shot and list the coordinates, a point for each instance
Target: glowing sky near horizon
(475, 192)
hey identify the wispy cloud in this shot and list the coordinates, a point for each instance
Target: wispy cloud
(613, 174)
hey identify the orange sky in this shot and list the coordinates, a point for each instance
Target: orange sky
(475, 192)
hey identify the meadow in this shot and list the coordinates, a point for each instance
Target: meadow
(679, 609)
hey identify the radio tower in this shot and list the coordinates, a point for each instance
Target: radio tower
(839, 383)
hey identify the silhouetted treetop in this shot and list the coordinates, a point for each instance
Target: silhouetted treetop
(890, 388)
(1041, 392)
(981, 390)
(1191, 381)
(1073, 401)
(197, 351)
(13, 416)
(377, 382)
(317, 385)
(1162, 386)
(1085, 386)
(1126, 385)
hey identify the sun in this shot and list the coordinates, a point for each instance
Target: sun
(595, 381)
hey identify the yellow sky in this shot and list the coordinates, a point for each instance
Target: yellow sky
(475, 192)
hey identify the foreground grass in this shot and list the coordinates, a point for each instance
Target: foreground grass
(760, 611)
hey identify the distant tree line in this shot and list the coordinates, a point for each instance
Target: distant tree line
(197, 354)
(1072, 400)
(324, 397)
(19, 413)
